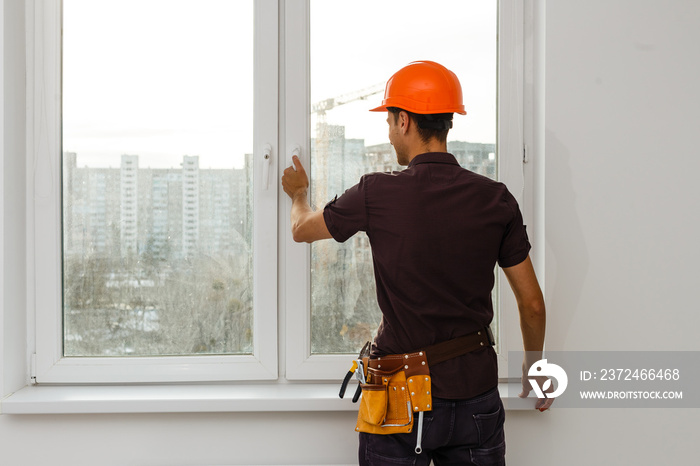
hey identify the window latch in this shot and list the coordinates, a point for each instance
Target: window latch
(296, 150)
(267, 161)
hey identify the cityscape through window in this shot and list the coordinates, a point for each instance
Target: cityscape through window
(157, 177)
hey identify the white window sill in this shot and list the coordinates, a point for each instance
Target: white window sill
(198, 399)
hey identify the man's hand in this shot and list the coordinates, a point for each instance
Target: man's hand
(542, 404)
(294, 181)
(307, 226)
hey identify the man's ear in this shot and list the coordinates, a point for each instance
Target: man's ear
(404, 121)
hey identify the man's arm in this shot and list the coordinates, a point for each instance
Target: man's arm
(307, 225)
(531, 308)
(530, 301)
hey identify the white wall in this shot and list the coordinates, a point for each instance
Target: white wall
(621, 223)
(622, 159)
(620, 207)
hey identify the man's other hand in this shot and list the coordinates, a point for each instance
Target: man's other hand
(542, 404)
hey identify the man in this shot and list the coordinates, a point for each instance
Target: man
(436, 231)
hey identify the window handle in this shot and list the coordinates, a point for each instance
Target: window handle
(267, 161)
(296, 150)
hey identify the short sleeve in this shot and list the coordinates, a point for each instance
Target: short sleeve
(347, 214)
(515, 245)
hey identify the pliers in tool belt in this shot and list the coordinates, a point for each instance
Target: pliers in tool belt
(359, 375)
(359, 370)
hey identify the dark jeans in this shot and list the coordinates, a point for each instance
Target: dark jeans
(464, 432)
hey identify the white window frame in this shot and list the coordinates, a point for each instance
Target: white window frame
(301, 364)
(44, 225)
(281, 120)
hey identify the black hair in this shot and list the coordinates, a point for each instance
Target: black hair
(430, 126)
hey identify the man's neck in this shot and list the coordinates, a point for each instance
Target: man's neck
(432, 146)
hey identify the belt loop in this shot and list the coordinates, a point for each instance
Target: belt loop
(492, 341)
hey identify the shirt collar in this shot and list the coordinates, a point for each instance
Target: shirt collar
(433, 157)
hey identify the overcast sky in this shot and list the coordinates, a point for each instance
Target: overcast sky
(166, 78)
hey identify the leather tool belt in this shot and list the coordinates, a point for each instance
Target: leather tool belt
(397, 387)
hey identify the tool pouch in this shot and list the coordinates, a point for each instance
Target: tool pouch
(398, 387)
(373, 404)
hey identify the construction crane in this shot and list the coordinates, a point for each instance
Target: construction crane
(323, 136)
(320, 108)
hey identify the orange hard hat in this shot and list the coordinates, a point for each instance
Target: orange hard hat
(423, 87)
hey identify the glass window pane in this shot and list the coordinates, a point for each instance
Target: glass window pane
(353, 53)
(157, 175)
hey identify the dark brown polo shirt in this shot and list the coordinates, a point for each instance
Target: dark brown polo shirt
(437, 231)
